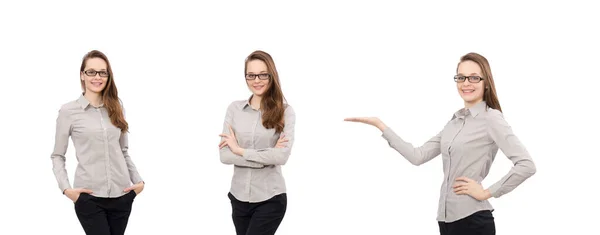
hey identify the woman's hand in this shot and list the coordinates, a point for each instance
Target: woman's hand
(74, 193)
(137, 188)
(230, 141)
(373, 121)
(466, 186)
(281, 142)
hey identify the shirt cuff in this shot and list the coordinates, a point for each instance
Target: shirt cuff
(64, 186)
(495, 190)
(249, 154)
(136, 179)
(65, 189)
(387, 133)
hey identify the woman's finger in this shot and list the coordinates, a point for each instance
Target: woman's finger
(223, 144)
(461, 189)
(354, 119)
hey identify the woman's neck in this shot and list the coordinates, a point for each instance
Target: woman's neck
(255, 102)
(472, 103)
(95, 99)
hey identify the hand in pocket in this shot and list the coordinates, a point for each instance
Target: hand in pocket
(75, 193)
(137, 188)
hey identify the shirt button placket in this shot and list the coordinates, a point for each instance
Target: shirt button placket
(253, 146)
(106, 152)
(448, 183)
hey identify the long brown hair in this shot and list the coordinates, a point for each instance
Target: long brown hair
(272, 101)
(489, 93)
(110, 95)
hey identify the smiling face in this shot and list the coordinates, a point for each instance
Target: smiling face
(95, 75)
(470, 89)
(258, 78)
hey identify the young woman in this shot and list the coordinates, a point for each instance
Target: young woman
(257, 139)
(106, 180)
(468, 144)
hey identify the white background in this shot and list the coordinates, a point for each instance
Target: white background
(179, 65)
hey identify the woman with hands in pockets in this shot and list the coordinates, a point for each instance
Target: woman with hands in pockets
(106, 179)
(468, 144)
(257, 139)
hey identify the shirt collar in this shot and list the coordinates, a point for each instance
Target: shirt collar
(473, 111)
(84, 103)
(246, 103)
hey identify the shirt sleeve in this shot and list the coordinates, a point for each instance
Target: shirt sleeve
(134, 175)
(501, 133)
(276, 156)
(415, 155)
(228, 157)
(61, 143)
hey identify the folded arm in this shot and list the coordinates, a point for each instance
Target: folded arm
(226, 155)
(276, 156)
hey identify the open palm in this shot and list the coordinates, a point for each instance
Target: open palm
(373, 121)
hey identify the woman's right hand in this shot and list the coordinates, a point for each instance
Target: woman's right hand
(74, 193)
(373, 121)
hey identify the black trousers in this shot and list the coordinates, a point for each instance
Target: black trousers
(261, 218)
(104, 216)
(478, 223)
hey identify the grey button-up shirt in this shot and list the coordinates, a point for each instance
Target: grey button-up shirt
(468, 144)
(257, 174)
(104, 166)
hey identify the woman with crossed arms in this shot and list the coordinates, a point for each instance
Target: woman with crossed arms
(257, 139)
(468, 144)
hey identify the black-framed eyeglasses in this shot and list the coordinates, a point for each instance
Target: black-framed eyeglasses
(472, 79)
(92, 73)
(262, 76)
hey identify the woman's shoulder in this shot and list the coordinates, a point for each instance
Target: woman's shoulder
(494, 117)
(70, 106)
(67, 109)
(288, 110)
(237, 103)
(493, 113)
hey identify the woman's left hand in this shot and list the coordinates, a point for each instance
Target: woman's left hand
(231, 141)
(137, 188)
(466, 186)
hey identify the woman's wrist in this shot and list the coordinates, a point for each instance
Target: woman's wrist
(381, 126)
(238, 151)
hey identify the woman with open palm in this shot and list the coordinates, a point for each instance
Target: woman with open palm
(468, 144)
